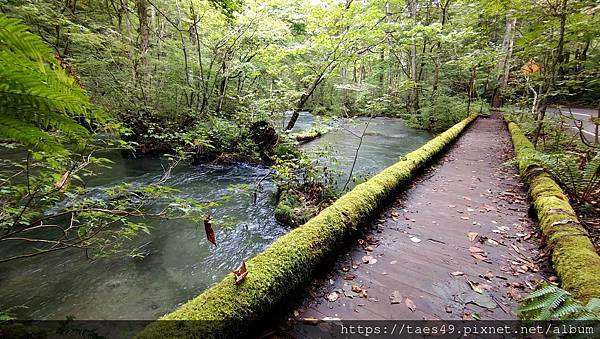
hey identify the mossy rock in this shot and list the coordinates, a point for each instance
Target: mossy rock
(573, 254)
(227, 309)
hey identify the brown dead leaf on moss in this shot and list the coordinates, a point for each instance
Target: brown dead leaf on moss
(240, 273)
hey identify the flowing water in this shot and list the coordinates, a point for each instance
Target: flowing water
(179, 262)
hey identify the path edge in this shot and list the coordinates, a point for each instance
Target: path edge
(573, 255)
(227, 309)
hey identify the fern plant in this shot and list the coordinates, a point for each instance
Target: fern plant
(40, 102)
(580, 180)
(550, 302)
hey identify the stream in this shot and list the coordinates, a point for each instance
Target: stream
(179, 263)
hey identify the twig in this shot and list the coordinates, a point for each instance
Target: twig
(356, 154)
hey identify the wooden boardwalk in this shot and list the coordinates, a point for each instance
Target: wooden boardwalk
(457, 244)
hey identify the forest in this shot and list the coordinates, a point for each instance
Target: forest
(174, 134)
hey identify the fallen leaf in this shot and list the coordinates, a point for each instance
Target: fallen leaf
(396, 297)
(457, 273)
(467, 316)
(464, 218)
(356, 289)
(210, 233)
(475, 249)
(311, 321)
(349, 277)
(492, 242)
(415, 240)
(489, 275)
(345, 269)
(478, 256)
(553, 278)
(333, 296)
(472, 236)
(514, 294)
(367, 259)
(410, 304)
(241, 273)
(475, 286)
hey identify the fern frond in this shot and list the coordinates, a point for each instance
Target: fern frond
(593, 305)
(39, 101)
(551, 302)
(567, 309)
(542, 291)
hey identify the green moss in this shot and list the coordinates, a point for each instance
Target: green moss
(290, 209)
(226, 308)
(573, 255)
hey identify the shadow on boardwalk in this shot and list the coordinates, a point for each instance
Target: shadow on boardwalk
(457, 244)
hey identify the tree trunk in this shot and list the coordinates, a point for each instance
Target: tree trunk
(557, 62)
(412, 4)
(503, 67)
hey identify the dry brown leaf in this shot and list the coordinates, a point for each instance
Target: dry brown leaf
(210, 233)
(514, 294)
(410, 304)
(475, 249)
(396, 297)
(489, 275)
(241, 273)
(457, 273)
(333, 296)
(492, 242)
(356, 289)
(472, 236)
(478, 256)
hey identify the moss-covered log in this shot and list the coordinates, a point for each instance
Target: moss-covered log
(573, 255)
(227, 309)
(309, 135)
